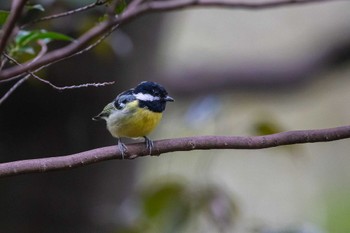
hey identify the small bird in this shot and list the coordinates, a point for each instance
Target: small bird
(135, 113)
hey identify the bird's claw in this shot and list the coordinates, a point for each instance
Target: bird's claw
(122, 148)
(149, 144)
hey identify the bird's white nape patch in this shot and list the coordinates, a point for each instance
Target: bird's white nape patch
(146, 97)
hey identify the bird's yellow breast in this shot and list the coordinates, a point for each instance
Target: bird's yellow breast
(133, 121)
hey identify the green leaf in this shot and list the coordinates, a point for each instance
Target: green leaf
(53, 36)
(120, 7)
(38, 7)
(102, 18)
(266, 127)
(25, 42)
(3, 16)
(25, 37)
(27, 49)
(162, 198)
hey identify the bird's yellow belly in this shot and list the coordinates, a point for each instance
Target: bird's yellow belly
(139, 123)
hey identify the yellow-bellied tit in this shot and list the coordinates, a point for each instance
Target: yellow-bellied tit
(135, 113)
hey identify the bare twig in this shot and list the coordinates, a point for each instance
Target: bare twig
(52, 85)
(73, 86)
(13, 88)
(172, 145)
(3, 62)
(143, 8)
(67, 13)
(93, 45)
(16, 10)
(43, 50)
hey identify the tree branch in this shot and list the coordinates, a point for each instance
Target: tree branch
(137, 10)
(13, 88)
(67, 13)
(172, 145)
(176, 4)
(16, 10)
(48, 82)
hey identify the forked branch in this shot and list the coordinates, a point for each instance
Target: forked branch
(135, 10)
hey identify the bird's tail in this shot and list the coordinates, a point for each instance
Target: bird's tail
(97, 118)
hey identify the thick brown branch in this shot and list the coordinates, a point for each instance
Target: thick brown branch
(172, 145)
(176, 4)
(16, 10)
(135, 11)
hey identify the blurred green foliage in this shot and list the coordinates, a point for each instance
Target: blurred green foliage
(3, 16)
(267, 125)
(178, 207)
(38, 7)
(120, 7)
(338, 211)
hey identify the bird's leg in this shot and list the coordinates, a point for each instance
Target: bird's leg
(149, 144)
(122, 147)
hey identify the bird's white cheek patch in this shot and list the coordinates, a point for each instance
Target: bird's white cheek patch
(146, 97)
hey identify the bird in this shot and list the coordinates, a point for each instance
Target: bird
(135, 113)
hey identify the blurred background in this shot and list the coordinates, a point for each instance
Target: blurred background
(232, 72)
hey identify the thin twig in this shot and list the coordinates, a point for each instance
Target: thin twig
(67, 13)
(43, 50)
(73, 86)
(3, 62)
(13, 88)
(57, 87)
(93, 45)
(172, 145)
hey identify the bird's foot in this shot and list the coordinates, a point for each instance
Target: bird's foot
(122, 148)
(149, 144)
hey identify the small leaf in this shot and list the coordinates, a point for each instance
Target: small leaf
(265, 127)
(120, 7)
(25, 37)
(162, 198)
(3, 16)
(54, 36)
(38, 7)
(103, 18)
(27, 49)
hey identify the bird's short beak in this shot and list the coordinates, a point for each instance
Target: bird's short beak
(169, 99)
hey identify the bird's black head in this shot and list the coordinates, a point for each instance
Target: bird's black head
(152, 95)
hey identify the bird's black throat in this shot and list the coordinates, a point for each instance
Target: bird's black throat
(154, 106)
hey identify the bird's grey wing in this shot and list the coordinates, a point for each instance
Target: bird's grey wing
(124, 98)
(119, 103)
